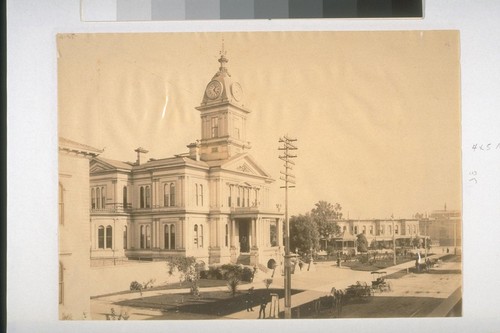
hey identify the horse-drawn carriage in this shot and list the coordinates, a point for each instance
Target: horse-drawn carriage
(360, 290)
(379, 282)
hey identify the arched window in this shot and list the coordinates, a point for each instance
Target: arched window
(93, 199)
(390, 229)
(148, 197)
(356, 230)
(229, 195)
(172, 194)
(125, 237)
(396, 229)
(61, 283)
(125, 197)
(61, 204)
(103, 197)
(371, 230)
(195, 239)
(98, 198)
(100, 237)
(364, 229)
(238, 203)
(248, 197)
(109, 237)
(172, 236)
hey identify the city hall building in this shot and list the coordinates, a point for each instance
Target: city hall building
(211, 202)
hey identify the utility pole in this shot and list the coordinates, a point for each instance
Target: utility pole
(288, 178)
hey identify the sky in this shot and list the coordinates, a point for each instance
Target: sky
(376, 114)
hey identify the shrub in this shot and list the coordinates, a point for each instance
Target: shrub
(247, 274)
(134, 285)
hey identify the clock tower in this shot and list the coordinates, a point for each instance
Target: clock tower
(223, 117)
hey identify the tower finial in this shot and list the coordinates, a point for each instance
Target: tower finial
(223, 60)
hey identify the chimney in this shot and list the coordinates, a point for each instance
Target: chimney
(194, 151)
(140, 151)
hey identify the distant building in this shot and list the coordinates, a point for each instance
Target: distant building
(444, 227)
(380, 232)
(74, 235)
(211, 202)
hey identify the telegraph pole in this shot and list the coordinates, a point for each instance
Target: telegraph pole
(288, 178)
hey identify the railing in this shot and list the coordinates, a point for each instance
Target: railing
(113, 208)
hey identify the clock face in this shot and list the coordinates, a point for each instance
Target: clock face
(236, 91)
(214, 89)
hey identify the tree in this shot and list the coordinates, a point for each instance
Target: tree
(362, 243)
(304, 233)
(324, 215)
(188, 269)
(233, 275)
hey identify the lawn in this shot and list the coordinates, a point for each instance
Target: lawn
(211, 303)
(374, 266)
(202, 283)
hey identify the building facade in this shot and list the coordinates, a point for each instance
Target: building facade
(74, 235)
(444, 227)
(211, 202)
(378, 233)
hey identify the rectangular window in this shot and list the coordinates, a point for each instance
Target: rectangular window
(148, 197)
(148, 237)
(172, 236)
(109, 237)
(125, 237)
(172, 194)
(236, 126)
(201, 195)
(226, 238)
(197, 194)
(273, 233)
(143, 237)
(215, 127)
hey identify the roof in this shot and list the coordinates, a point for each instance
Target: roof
(76, 147)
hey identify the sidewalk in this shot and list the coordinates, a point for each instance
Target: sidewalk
(345, 277)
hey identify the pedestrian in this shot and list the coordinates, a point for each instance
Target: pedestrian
(262, 311)
(447, 250)
(249, 300)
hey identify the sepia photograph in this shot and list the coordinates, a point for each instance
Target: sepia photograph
(259, 175)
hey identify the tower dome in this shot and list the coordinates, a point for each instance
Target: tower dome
(222, 88)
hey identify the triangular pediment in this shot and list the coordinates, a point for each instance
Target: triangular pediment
(103, 165)
(245, 164)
